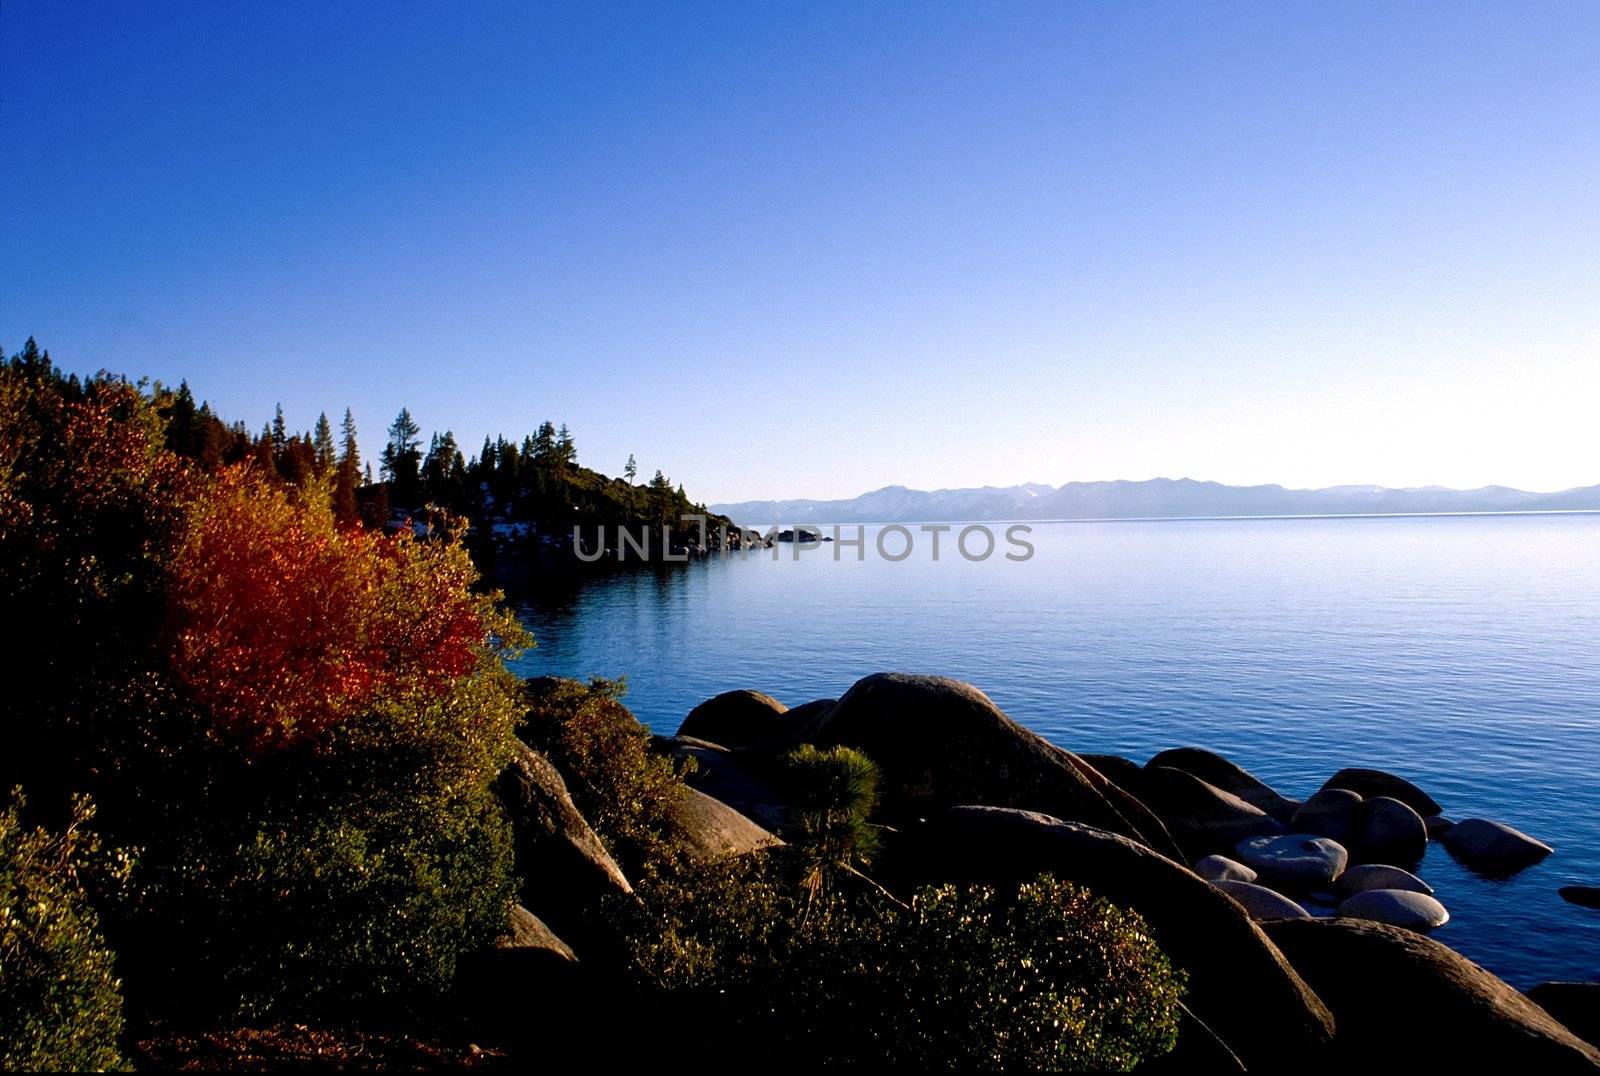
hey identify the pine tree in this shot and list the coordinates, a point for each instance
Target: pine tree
(544, 445)
(631, 471)
(566, 453)
(322, 446)
(402, 457)
(348, 475)
(280, 433)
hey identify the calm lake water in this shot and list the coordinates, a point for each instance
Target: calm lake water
(1463, 653)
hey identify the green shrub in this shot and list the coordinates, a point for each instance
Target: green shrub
(602, 751)
(1040, 976)
(834, 793)
(60, 1000)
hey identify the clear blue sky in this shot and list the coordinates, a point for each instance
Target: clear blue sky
(807, 250)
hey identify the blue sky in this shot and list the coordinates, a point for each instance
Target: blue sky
(808, 250)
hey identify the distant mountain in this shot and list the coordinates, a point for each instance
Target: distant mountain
(1156, 498)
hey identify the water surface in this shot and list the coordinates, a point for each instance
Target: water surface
(1458, 651)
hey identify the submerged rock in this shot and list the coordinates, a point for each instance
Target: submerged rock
(1223, 869)
(1587, 896)
(1369, 783)
(1437, 825)
(1239, 984)
(1298, 861)
(1397, 907)
(1261, 902)
(1366, 876)
(1403, 1001)
(1493, 847)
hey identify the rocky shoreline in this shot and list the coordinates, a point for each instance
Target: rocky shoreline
(1301, 925)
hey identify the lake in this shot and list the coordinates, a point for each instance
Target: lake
(1460, 652)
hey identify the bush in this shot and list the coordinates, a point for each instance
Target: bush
(834, 793)
(60, 1000)
(603, 753)
(1043, 976)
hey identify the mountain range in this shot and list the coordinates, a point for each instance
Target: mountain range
(1156, 498)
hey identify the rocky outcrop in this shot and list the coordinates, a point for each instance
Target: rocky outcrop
(1403, 1000)
(1201, 817)
(569, 873)
(1397, 907)
(1239, 985)
(1297, 861)
(526, 933)
(1261, 903)
(1369, 783)
(1221, 773)
(493, 986)
(1492, 847)
(705, 828)
(942, 743)
(1575, 1005)
(736, 719)
(739, 780)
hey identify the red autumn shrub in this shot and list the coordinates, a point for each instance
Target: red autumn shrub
(285, 624)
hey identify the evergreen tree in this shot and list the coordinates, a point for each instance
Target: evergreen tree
(544, 445)
(348, 475)
(322, 446)
(402, 458)
(631, 471)
(566, 453)
(280, 433)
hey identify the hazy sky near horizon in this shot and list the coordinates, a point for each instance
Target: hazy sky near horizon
(813, 249)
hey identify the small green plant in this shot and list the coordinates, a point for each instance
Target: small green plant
(60, 999)
(834, 793)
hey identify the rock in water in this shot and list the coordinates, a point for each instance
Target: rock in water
(1492, 847)
(1333, 813)
(1387, 831)
(1402, 997)
(1369, 783)
(1201, 817)
(1222, 773)
(1261, 902)
(1576, 1005)
(736, 719)
(1298, 861)
(1223, 869)
(942, 743)
(568, 871)
(1587, 896)
(1397, 907)
(729, 776)
(1379, 876)
(705, 828)
(1438, 825)
(1239, 984)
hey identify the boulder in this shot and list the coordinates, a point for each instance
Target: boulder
(1298, 861)
(526, 932)
(1260, 902)
(1239, 985)
(1369, 783)
(1438, 825)
(1366, 876)
(568, 870)
(1215, 770)
(1587, 896)
(799, 716)
(942, 743)
(1125, 773)
(1492, 847)
(1223, 869)
(1201, 817)
(1199, 1049)
(742, 781)
(736, 719)
(1387, 831)
(1575, 1005)
(1333, 813)
(493, 986)
(1401, 997)
(705, 828)
(1397, 907)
